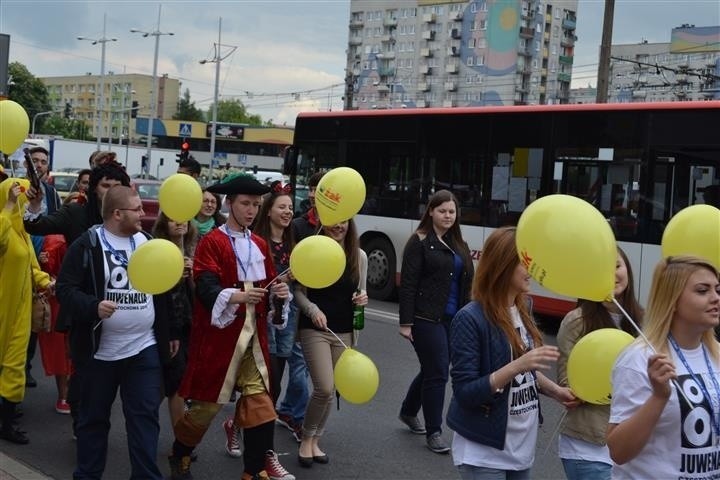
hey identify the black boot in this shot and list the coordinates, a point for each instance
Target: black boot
(8, 431)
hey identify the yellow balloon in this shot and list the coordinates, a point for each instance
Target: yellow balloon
(180, 197)
(14, 126)
(156, 266)
(694, 230)
(568, 247)
(317, 261)
(356, 377)
(339, 195)
(591, 361)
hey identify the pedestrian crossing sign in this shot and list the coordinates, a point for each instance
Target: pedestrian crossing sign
(185, 130)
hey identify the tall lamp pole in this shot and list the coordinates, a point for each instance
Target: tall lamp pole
(216, 60)
(154, 95)
(100, 100)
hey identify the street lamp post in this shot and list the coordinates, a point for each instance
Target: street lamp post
(100, 100)
(154, 96)
(40, 114)
(216, 60)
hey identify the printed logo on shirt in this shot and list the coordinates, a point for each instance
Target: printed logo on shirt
(699, 457)
(523, 394)
(118, 288)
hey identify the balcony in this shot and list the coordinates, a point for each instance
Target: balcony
(429, 18)
(527, 32)
(524, 51)
(565, 59)
(564, 77)
(569, 23)
(455, 33)
(451, 86)
(543, 72)
(521, 88)
(355, 23)
(451, 68)
(423, 87)
(426, 52)
(541, 89)
(455, 16)
(523, 69)
(453, 51)
(355, 41)
(383, 88)
(385, 56)
(425, 69)
(568, 41)
(639, 94)
(527, 14)
(449, 103)
(386, 71)
(428, 35)
(390, 22)
(387, 38)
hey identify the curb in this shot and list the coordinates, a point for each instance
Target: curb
(11, 469)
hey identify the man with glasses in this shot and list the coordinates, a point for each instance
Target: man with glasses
(119, 338)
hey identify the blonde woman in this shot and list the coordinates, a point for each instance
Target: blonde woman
(656, 431)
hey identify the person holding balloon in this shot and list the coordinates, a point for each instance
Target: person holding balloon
(435, 283)
(184, 236)
(325, 329)
(665, 410)
(19, 272)
(582, 445)
(232, 270)
(119, 337)
(496, 354)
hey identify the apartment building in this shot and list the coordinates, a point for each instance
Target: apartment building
(425, 53)
(686, 68)
(120, 91)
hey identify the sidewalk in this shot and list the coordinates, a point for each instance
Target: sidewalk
(11, 469)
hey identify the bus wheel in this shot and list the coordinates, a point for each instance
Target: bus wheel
(381, 268)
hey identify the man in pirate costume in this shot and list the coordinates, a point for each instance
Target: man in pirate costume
(228, 340)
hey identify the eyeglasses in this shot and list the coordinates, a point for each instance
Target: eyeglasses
(210, 201)
(136, 209)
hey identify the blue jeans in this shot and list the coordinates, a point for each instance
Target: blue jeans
(471, 472)
(586, 470)
(296, 393)
(427, 390)
(280, 342)
(141, 386)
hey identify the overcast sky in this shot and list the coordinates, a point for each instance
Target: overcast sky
(290, 54)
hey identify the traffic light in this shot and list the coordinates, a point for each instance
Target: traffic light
(144, 163)
(134, 109)
(184, 152)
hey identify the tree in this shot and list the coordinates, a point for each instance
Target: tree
(65, 127)
(28, 90)
(233, 111)
(187, 109)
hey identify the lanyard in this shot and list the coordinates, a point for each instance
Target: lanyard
(119, 256)
(237, 254)
(711, 372)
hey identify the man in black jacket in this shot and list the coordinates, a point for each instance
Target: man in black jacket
(119, 337)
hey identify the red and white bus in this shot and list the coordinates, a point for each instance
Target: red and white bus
(638, 163)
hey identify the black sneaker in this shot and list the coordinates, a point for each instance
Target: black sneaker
(437, 444)
(12, 434)
(30, 381)
(413, 423)
(180, 468)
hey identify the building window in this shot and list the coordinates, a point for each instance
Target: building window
(483, 24)
(480, 60)
(481, 43)
(473, 7)
(471, 43)
(470, 61)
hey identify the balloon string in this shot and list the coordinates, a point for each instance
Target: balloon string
(343, 343)
(277, 277)
(652, 349)
(555, 432)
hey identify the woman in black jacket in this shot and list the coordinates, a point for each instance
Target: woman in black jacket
(435, 283)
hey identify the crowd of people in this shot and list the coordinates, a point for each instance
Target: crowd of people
(237, 322)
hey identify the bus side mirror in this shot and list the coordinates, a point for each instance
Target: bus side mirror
(290, 160)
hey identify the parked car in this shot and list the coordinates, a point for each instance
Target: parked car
(149, 191)
(63, 182)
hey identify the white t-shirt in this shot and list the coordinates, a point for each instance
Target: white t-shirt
(129, 330)
(522, 424)
(683, 445)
